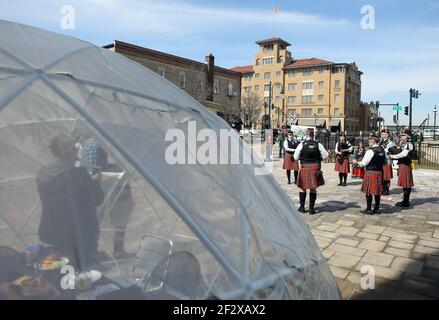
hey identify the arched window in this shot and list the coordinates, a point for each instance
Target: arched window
(280, 59)
(258, 62)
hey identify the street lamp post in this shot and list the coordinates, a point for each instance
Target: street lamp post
(434, 124)
(270, 93)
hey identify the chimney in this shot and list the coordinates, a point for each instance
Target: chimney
(210, 61)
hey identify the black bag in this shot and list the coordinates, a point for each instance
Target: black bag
(414, 153)
(320, 179)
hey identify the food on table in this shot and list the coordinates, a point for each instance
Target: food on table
(33, 286)
(53, 261)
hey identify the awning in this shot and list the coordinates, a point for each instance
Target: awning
(334, 123)
(312, 122)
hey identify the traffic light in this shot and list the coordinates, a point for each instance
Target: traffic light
(406, 110)
(377, 104)
(394, 119)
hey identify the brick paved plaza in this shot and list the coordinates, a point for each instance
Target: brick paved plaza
(401, 244)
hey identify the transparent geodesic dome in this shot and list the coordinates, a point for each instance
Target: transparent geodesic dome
(188, 230)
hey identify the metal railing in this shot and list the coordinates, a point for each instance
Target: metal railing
(428, 155)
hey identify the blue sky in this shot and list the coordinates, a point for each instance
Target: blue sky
(401, 52)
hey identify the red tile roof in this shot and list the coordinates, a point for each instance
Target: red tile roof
(243, 69)
(307, 62)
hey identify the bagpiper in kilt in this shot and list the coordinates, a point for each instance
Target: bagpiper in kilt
(289, 164)
(386, 143)
(357, 171)
(342, 149)
(310, 153)
(373, 160)
(405, 174)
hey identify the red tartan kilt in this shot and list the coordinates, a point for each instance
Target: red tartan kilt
(405, 176)
(372, 182)
(307, 176)
(358, 172)
(387, 172)
(342, 168)
(290, 165)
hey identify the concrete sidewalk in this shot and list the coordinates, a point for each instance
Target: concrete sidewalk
(401, 244)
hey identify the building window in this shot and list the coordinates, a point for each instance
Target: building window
(291, 74)
(256, 87)
(267, 87)
(307, 72)
(200, 84)
(278, 86)
(182, 80)
(320, 97)
(322, 69)
(277, 98)
(216, 86)
(336, 111)
(336, 98)
(307, 85)
(280, 59)
(268, 60)
(337, 69)
(307, 99)
(306, 112)
(161, 71)
(348, 99)
(292, 99)
(321, 84)
(267, 75)
(292, 86)
(291, 112)
(256, 75)
(268, 47)
(258, 62)
(320, 110)
(248, 90)
(337, 84)
(230, 89)
(248, 77)
(277, 73)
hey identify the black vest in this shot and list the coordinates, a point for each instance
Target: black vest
(310, 152)
(406, 160)
(384, 144)
(378, 159)
(292, 144)
(341, 146)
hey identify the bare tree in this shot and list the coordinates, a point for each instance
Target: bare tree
(251, 105)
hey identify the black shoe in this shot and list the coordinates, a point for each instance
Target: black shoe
(344, 184)
(340, 184)
(301, 209)
(386, 193)
(376, 211)
(403, 204)
(289, 182)
(367, 212)
(312, 211)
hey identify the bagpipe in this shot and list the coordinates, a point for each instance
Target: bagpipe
(344, 155)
